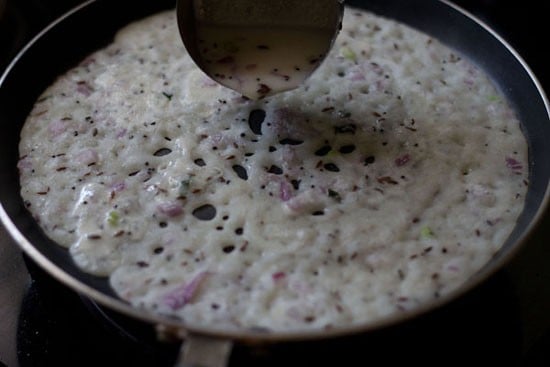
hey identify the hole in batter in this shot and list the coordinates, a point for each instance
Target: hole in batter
(162, 151)
(240, 171)
(228, 249)
(205, 212)
(200, 162)
(255, 120)
(324, 150)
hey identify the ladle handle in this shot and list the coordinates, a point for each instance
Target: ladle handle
(204, 351)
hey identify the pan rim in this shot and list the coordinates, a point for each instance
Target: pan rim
(243, 335)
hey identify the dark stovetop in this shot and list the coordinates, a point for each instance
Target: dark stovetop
(505, 322)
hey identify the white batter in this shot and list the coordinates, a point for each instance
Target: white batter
(385, 181)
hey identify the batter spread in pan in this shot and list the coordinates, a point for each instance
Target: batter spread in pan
(385, 181)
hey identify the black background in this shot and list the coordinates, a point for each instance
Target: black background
(524, 24)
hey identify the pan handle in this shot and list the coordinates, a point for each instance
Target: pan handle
(196, 350)
(204, 351)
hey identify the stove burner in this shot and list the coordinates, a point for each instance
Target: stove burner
(59, 328)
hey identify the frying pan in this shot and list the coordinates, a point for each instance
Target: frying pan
(93, 24)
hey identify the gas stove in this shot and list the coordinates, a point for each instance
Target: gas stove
(506, 321)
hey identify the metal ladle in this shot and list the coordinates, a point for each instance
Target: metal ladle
(259, 47)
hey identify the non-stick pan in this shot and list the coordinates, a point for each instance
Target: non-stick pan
(92, 25)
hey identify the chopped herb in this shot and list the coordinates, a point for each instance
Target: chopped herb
(426, 232)
(333, 153)
(113, 218)
(184, 187)
(348, 53)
